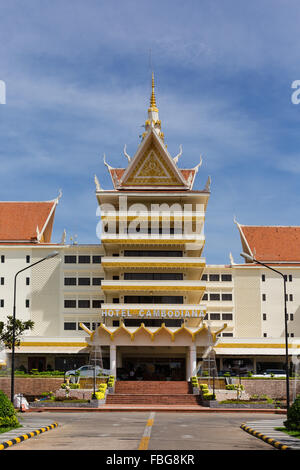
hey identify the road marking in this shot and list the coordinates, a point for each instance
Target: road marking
(144, 443)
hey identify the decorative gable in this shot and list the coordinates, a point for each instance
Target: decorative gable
(152, 166)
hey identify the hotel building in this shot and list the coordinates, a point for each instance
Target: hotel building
(145, 294)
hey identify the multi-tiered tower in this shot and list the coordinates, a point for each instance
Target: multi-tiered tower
(153, 238)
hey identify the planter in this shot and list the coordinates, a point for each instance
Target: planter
(216, 404)
(59, 404)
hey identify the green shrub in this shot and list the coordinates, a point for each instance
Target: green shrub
(8, 415)
(293, 416)
(209, 396)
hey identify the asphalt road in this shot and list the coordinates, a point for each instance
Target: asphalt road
(142, 430)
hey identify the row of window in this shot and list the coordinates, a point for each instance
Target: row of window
(291, 335)
(2, 281)
(217, 277)
(73, 325)
(287, 278)
(288, 297)
(217, 316)
(83, 281)
(226, 297)
(290, 316)
(82, 303)
(153, 276)
(2, 258)
(82, 259)
(2, 303)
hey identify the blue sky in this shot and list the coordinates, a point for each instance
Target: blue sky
(78, 85)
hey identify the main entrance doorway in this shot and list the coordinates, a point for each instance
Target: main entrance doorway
(152, 368)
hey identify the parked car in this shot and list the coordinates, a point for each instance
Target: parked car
(86, 371)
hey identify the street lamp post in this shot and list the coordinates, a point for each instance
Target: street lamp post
(252, 259)
(51, 255)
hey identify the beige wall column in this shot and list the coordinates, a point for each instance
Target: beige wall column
(113, 360)
(193, 360)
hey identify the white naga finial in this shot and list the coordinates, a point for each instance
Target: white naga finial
(175, 159)
(105, 163)
(126, 154)
(98, 187)
(231, 258)
(199, 164)
(208, 183)
(63, 238)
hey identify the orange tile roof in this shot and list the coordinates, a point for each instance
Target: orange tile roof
(19, 220)
(117, 173)
(273, 243)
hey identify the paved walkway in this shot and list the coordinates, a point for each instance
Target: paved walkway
(265, 430)
(28, 429)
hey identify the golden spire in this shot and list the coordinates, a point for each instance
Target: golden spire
(153, 106)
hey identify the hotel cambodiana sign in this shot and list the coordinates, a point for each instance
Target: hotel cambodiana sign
(152, 313)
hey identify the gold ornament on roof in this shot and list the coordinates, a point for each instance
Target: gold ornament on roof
(153, 106)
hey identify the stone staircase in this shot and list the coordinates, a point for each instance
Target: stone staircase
(153, 393)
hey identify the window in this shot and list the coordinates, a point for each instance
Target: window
(205, 297)
(95, 325)
(226, 277)
(27, 281)
(96, 259)
(84, 281)
(214, 277)
(290, 278)
(214, 297)
(116, 254)
(27, 259)
(265, 335)
(215, 316)
(226, 296)
(2, 259)
(148, 299)
(227, 335)
(70, 281)
(116, 323)
(155, 253)
(291, 317)
(2, 281)
(97, 303)
(97, 281)
(264, 297)
(204, 277)
(264, 316)
(70, 259)
(227, 316)
(291, 297)
(116, 300)
(87, 324)
(292, 335)
(82, 259)
(154, 276)
(27, 303)
(115, 278)
(68, 303)
(1, 302)
(84, 303)
(70, 325)
(263, 277)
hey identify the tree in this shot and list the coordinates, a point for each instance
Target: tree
(6, 331)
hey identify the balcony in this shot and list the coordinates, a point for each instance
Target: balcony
(152, 239)
(152, 262)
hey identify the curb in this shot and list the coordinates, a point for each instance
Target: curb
(23, 437)
(263, 437)
(200, 409)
